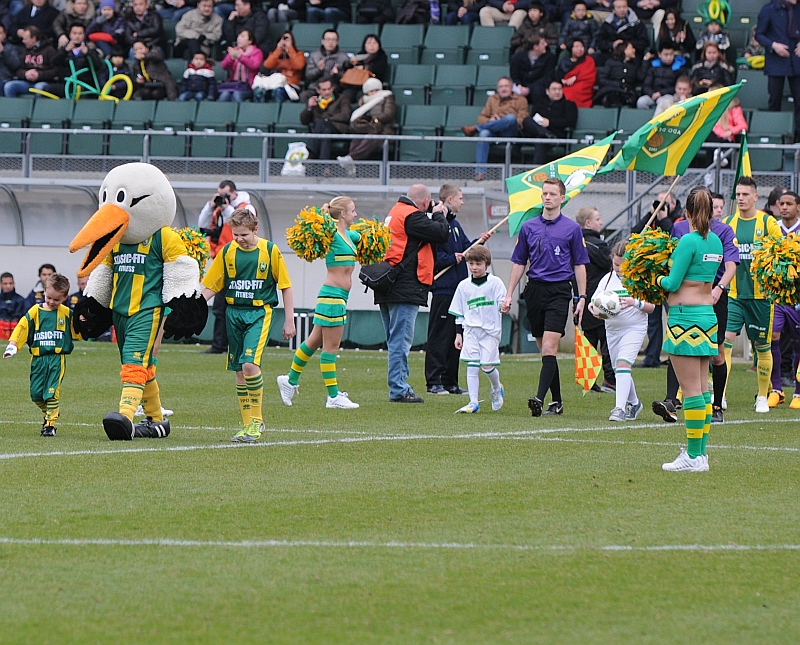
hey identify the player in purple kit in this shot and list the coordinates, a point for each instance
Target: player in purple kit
(727, 269)
(786, 319)
(553, 246)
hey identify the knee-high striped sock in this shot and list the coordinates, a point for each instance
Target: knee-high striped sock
(707, 425)
(327, 365)
(728, 345)
(255, 388)
(694, 414)
(301, 358)
(624, 384)
(51, 415)
(764, 367)
(151, 400)
(494, 377)
(244, 402)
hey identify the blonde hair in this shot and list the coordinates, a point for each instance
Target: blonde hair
(244, 217)
(58, 282)
(583, 214)
(337, 206)
(699, 209)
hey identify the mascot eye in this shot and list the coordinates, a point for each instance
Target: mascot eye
(121, 196)
(105, 197)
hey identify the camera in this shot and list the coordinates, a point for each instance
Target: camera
(222, 200)
(434, 204)
(212, 233)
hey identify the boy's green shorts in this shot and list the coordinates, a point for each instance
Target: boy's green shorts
(248, 333)
(47, 372)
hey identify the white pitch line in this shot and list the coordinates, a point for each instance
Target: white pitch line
(713, 446)
(360, 544)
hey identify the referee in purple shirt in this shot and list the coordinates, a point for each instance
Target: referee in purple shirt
(553, 246)
(667, 409)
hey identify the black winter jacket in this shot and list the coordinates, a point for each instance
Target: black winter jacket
(629, 28)
(458, 242)
(562, 114)
(617, 81)
(599, 265)
(535, 76)
(659, 78)
(149, 29)
(257, 22)
(419, 229)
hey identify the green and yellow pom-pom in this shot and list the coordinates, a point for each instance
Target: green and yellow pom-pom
(374, 242)
(646, 258)
(775, 268)
(312, 234)
(196, 245)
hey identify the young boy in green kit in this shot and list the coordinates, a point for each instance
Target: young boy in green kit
(248, 272)
(47, 328)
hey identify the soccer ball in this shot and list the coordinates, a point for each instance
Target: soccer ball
(606, 305)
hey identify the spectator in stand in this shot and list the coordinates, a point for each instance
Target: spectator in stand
(40, 14)
(36, 296)
(286, 11)
(578, 74)
(660, 76)
(107, 29)
(652, 11)
(79, 55)
(754, 48)
(552, 117)
(580, 25)
(119, 66)
(375, 114)
(198, 30)
(621, 25)
(36, 69)
(373, 58)
(247, 15)
(535, 22)
(711, 69)
(153, 80)
(242, 63)
(326, 61)
(713, 33)
(335, 11)
(502, 116)
(782, 56)
(618, 78)
(532, 70)
(286, 60)
(325, 113)
(176, 9)
(677, 32)
(78, 12)
(464, 12)
(10, 60)
(12, 305)
(512, 12)
(144, 25)
(731, 124)
(6, 18)
(199, 82)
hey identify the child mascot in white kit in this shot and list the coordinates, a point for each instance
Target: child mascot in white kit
(476, 306)
(625, 332)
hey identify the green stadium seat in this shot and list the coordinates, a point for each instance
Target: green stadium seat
(455, 151)
(598, 122)
(276, 29)
(631, 119)
(352, 35)
(445, 44)
(90, 115)
(288, 121)
(453, 84)
(769, 127)
(50, 114)
(308, 37)
(213, 117)
(411, 83)
(14, 113)
(169, 35)
(176, 116)
(421, 120)
(402, 43)
(177, 66)
(254, 117)
(486, 83)
(130, 115)
(753, 94)
(490, 45)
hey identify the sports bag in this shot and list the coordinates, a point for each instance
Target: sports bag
(380, 277)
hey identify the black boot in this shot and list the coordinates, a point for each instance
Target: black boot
(152, 429)
(118, 427)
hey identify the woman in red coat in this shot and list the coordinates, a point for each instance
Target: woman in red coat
(578, 74)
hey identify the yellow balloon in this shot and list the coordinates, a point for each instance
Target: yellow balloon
(104, 93)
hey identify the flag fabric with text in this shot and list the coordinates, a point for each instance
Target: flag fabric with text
(576, 170)
(666, 144)
(588, 363)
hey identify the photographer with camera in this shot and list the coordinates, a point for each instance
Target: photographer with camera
(213, 223)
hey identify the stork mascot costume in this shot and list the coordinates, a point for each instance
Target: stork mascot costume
(136, 265)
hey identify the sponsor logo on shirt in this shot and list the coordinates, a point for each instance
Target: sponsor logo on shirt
(712, 257)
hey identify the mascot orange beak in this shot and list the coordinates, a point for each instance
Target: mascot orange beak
(103, 230)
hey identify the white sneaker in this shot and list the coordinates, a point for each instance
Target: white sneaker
(685, 464)
(705, 463)
(632, 411)
(287, 390)
(469, 408)
(617, 414)
(498, 397)
(340, 401)
(164, 412)
(761, 406)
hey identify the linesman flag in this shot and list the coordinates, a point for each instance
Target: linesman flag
(666, 144)
(576, 170)
(587, 362)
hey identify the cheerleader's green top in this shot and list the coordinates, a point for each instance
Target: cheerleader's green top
(695, 259)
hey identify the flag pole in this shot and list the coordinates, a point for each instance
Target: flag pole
(663, 201)
(475, 243)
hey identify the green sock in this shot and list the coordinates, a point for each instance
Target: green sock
(301, 358)
(327, 365)
(707, 426)
(694, 415)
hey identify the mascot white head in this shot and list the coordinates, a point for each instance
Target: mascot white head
(136, 200)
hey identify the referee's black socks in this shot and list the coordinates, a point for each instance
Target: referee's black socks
(549, 379)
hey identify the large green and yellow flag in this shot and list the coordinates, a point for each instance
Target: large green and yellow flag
(576, 170)
(742, 166)
(666, 144)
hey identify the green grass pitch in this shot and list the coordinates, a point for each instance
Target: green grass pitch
(392, 523)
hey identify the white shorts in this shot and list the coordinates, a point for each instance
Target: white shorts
(624, 344)
(479, 348)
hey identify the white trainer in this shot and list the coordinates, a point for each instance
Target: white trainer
(761, 406)
(632, 411)
(164, 412)
(340, 401)
(287, 390)
(685, 464)
(498, 397)
(617, 414)
(705, 463)
(469, 408)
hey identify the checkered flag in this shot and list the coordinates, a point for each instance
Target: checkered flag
(587, 362)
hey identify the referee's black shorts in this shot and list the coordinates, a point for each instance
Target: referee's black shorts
(549, 306)
(721, 310)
